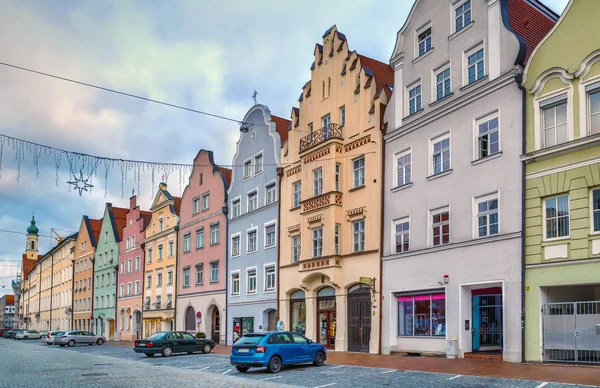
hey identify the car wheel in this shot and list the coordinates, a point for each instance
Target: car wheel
(61, 345)
(71, 343)
(25, 337)
(242, 369)
(167, 351)
(100, 341)
(190, 352)
(206, 348)
(319, 359)
(149, 354)
(48, 344)
(274, 364)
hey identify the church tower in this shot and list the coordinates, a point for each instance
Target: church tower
(32, 241)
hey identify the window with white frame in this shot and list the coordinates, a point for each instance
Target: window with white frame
(187, 242)
(488, 137)
(440, 227)
(424, 41)
(214, 234)
(214, 272)
(414, 99)
(199, 273)
(402, 235)
(297, 188)
(358, 170)
(557, 216)
(343, 116)
(593, 101)
(237, 208)
(270, 236)
(200, 238)
(129, 265)
(318, 181)
(258, 163)
(270, 278)
(247, 169)
(296, 248)
(129, 288)
(251, 237)
(403, 168)
(462, 15)
(271, 193)
(475, 66)
(149, 281)
(186, 277)
(441, 155)
(251, 281)
(160, 252)
(252, 201)
(358, 235)
(137, 287)
(317, 242)
(442, 83)
(122, 290)
(169, 277)
(235, 283)
(554, 121)
(196, 205)
(137, 263)
(596, 210)
(487, 216)
(159, 279)
(338, 172)
(160, 224)
(122, 268)
(205, 201)
(171, 249)
(149, 255)
(337, 238)
(235, 245)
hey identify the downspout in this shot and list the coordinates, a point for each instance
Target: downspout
(174, 296)
(51, 288)
(226, 212)
(40, 294)
(115, 329)
(518, 80)
(382, 151)
(73, 292)
(143, 283)
(279, 175)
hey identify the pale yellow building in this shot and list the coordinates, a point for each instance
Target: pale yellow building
(331, 200)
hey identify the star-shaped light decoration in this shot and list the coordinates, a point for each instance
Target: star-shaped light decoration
(80, 183)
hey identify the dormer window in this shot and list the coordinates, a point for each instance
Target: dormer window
(424, 41)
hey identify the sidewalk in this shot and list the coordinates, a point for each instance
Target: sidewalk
(573, 374)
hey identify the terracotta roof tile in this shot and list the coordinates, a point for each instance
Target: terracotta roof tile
(281, 125)
(227, 172)
(177, 204)
(96, 227)
(10, 299)
(120, 216)
(530, 22)
(384, 75)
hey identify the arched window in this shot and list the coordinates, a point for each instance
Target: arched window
(33, 245)
(190, 319)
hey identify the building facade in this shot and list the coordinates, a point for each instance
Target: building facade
(253, 230)
(106, 265)
(160, 245)
(330, 204)
(83, 274)
(562, 191)
(131, 273)
(453, 177)
(202, 273)
(24, 310)
(7, 311)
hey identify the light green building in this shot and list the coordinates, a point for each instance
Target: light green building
(106, 264)
(562, 190)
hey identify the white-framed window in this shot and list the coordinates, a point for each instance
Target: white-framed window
(171, 250)
(252, 237)
(318, 181)
(475, 65)
(251, 280)
(160, 252)
(440, 226)
(187, 244)
(462, 15)
(269, 277)
(404, 168)
(149, 281)
(159, 279)
(488, 137)
(270, 234)
(186, 277)
(122, 268)
(127, 244)
(326, 120)
(200, 238)
(424, 41)
(214, 272)
(252, 201)
(199, 273)
(137, 263)
(358, 171)
(595, 213)
(195, 205)
(414, 99)
(317, 242)
(338, 173)
(296, 248)
(149, 255)
(442, 83)
(440, 154)
(129, 265)
(122, 290)
(237, 208)
(169, 277)
(593, 108)
(271, 193)
(358, 235)
(556, 211)
(205, 201)
(258, 163)
(235, 245)
(401, 235)
(235, 283)
(132, 242)
(160, 224)
(554, 121)
(488, 223)
(137, 287)
(214, 234)
(247, 169)
(337, 238)
(297, 188)
(129, 289)
(342, 116)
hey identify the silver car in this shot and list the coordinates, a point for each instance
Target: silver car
(74, 337)
(49, 338)
(28, 334)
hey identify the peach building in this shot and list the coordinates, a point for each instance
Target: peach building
(331, 200)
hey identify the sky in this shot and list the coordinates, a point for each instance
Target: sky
(209, 56)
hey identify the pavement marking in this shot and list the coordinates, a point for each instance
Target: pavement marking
(205, 368)
(326, 385)
(388, 371)
(542, 385)
(455, 377)
(227, 371)
(336, 367)
(271, 378)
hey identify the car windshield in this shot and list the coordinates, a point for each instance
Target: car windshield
(250, 339)
(156, 336)
(58, 333)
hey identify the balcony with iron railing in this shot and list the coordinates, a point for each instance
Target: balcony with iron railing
(330, 131)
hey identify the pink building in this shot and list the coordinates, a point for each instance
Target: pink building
(202, 249)
(131, 273)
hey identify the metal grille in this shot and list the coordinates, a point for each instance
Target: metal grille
(330, 131)
(570, 332)
(490, 331)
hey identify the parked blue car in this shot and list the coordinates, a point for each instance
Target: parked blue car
(275, 350)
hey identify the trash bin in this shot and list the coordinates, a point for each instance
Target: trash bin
(451, 348)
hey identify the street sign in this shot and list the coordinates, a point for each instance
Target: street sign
(366, 281)
(199, 315)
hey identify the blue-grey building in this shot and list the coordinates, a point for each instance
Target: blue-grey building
(253, 231)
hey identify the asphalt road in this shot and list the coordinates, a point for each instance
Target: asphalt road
(33, 364)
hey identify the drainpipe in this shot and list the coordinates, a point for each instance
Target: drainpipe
(174, 295)
(51, 288)
(279, 175)
(382, 151)
(143, 285)
(225, 212)
(73, 293)
(519, 79)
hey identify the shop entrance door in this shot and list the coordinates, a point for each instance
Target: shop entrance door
(487, 328)
(359, 318)
(326, 317)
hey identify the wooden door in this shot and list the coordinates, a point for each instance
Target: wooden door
(272, 325)
(359, 322)
(111, 329)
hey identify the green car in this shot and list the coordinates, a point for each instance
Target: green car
(169, 342)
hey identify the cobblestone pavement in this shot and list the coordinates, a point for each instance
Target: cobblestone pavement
(120, 366)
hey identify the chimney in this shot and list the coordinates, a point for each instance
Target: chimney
(132, 202)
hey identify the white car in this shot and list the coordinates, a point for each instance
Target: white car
(28, 334)
(49, 338)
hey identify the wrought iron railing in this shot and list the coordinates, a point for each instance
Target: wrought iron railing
(330, 131)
